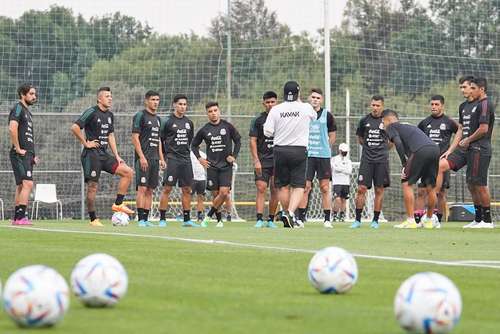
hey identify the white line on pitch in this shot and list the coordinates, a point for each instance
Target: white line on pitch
(466, 263)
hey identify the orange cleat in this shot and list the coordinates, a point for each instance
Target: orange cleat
(96, 222)
(122, 208)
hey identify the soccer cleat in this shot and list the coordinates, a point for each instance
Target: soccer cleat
(122, 208)
(145, 223)
(483, 225)
(327, 224)
(341, 217)
(96, 222)
(190, 223)
(356, 224)
(22, 222)
(271, 224)
(409, 223)
(286, 219)
(259, 224)
(430, 223)
(220, 224)
(471, 224)
(374, 224)
(204, 223)
(297, 223)
(162, 223)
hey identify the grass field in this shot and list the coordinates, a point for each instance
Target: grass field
(258, 282)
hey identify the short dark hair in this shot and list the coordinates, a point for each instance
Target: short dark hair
(151, 93)
(389, 112)
(103, 89)
(465, 78)
(179, 97)
(317, 90)
(480, 82)
(378, 98)
(24, 89)
(269, 95)
(211, 104)
(439, 98)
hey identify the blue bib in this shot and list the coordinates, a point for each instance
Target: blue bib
(318, 146)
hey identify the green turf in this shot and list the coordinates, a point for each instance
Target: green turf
(183, 287)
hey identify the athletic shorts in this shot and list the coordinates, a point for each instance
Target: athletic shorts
(446, 181)
(290, 166)
(22, 165)
(477, 162)
(150, 177)
(198, 187)
(219, 177)
(423, 164)
(374, 173)
(266, 175)
(94, 161)
(178, 172)
(341, 190)
(320, 167)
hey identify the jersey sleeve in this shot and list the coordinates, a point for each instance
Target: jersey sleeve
(253, 128)
(85, 118)
(330, 122)
(195, 144)
(453, 125)
(421, 125)
(137, 122)
(16, 113)
(235, 135)
(191, 131)
(112, 125)
(485, 114)
(360, 129)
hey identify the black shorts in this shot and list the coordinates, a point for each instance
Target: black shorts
(150, 177)
(320, 167)
(198, 187)
(219, 177)
(22, 165)
(290, 166)
(267, 174)
(423, 164)
(477, 167)
(376, 173)
(95, 161)
(341, 190)
(446, 182)
(178, 172)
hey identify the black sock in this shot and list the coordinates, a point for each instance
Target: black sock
(327, 214)
(211, 212)
(92, 215)
(163, 214)
(417, 217)
(440, 216)
(376, 214)
(199, 214)
(187, 215)
(15, 211)
(334, 214)
(20, 212)
(486, 214)
(140, 213)
(119, 199)
(358, 214)
(479, 213)
(302, 214)
(271, 218)
(146, 214)
(218, 214)
(228, 217)
(341, 214)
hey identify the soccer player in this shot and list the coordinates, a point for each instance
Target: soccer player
(98, 123)
(420, 159)
(473, 147)
(148, 155)
(341, 174)
(177, 134)
(322, 133)
(22, 153)
(374, 167)
(223, 144)
(289, 123)
(261, 148)
(439, 128)
(199, 185)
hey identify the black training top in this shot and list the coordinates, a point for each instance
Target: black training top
(439, 130)
(483, 112)
(375, 146)
(407, 138)
(264, 144)
(177, 135)
(25, 135)
(147, 125)
(98, 125)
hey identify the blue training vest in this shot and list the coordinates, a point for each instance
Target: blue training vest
(318, 146)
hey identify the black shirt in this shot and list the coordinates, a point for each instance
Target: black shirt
(177, 134)
(467, 117)
(330, 121)
(375, 146)
(485, 115)
(219, 140)
(439, 130)
(147, 126)
(264, 144)
(407, 138)
(98, 125)
(25, 134)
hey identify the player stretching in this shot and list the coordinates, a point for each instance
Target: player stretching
(261, 148)
(322, 133)
(22, 152)
(148, 155)
(219, 136)
(439, 128)
(289, 123)
(374, 167)
(98, 123)
(420, 159)
(177, 134)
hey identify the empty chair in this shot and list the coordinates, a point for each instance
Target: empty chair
(46, 193)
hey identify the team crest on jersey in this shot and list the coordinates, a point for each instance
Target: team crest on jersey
(442, 126)
(209, 134)
(223, 132)
(188, 126)
(429, 126)
(149, 123)
(360, 178)
(174, 126)
(474, 109)
(98, 120)
(93, 173)
(170, 178)
(143, 179)
(109, 120)
(28, 173)
(367, 125)
(210, 183)
(381, 126)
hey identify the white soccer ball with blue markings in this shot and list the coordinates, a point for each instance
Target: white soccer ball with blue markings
(99, 280)
(428, 303)
(36, 296)
(120, 219)
(333, 270)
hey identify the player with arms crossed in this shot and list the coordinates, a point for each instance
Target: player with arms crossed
(22, 153)
(261, 148)
(341, 176)
(219, 136)
(148, 155)
(98, 123)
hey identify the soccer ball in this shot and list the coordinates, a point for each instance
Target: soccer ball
(99, 280)
(36, 296)
(333, 270)
(428, 303)
(120, 219)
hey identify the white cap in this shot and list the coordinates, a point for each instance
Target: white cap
(343, 147)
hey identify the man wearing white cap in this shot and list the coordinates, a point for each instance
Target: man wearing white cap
(341, 175)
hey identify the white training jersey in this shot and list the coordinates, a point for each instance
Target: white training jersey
(341, 170)
(288, 123)
(199, 172)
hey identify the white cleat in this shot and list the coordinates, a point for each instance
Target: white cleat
(483, 225)
(327, 224)
(298, 224)
(471, 224)
(220, 224)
